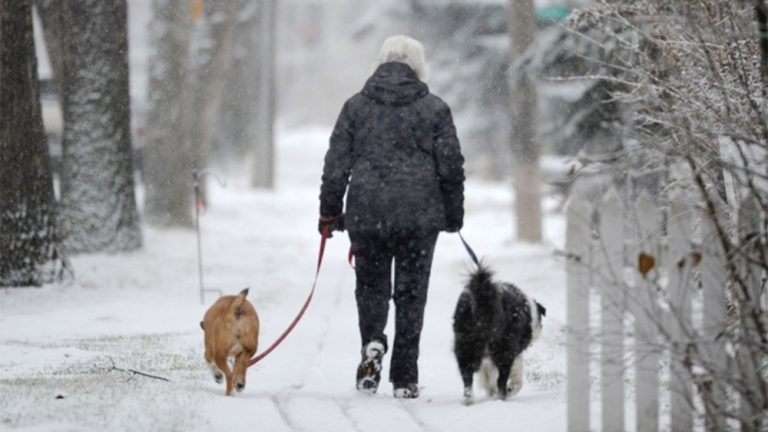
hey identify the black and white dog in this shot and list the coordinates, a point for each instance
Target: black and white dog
(493, 324)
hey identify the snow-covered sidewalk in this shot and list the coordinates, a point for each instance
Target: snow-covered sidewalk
(59, 345)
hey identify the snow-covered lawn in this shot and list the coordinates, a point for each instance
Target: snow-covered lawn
(61, 346)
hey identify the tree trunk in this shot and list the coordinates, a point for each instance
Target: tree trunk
(264, 157)
(236, 132)
(168, 156)
(761, 17)
(525, 150)
(28, 236)
(213, 67)
(98, 205)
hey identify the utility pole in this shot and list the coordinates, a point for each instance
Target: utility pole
(264, 155)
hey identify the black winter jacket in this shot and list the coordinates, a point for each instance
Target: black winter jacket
(395, 146)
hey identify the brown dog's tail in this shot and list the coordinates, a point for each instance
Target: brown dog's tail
(236, 305)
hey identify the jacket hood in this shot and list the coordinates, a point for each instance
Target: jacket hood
(394, 84)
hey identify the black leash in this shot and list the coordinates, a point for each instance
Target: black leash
(469, 250)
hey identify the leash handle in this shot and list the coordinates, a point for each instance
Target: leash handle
(295, 321)
(469, 250)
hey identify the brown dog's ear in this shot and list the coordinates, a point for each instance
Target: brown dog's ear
(244, 292)
(201, 325)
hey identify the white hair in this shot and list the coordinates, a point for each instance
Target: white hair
(404, 49)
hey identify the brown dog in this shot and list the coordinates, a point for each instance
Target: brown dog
(231, 328)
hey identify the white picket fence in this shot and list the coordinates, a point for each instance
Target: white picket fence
(616, 268)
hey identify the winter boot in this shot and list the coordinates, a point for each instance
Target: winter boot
(369, 370)
(406, 391)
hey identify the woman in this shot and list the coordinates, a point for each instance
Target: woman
(395, 146)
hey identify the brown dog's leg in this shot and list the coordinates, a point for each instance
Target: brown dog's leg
(209, 359)
(221, 362)
(241, 366)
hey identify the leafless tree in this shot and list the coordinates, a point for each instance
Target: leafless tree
(168, 153)
(29, 242)
(98, 204)
(237, 128)
(212, 62)
(693, 75)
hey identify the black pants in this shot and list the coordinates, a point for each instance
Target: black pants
(412, 256)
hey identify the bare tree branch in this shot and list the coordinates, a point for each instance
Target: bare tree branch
(134, 372)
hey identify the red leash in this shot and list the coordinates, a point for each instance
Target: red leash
(274, 345)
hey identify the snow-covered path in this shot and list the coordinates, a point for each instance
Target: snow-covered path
(58, 344)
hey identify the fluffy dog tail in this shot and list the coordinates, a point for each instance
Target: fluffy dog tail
(485, 296)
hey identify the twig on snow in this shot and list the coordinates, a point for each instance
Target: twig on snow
(135, 372)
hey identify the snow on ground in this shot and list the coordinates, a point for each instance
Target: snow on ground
(61, 346)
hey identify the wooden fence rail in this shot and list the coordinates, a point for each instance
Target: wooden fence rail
(660, 292)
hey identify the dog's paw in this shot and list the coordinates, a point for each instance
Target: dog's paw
(514, 388)
(239, 387)
(503, 395)
(469, 397)
(218, 375)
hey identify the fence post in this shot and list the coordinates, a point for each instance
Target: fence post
(578, 236)
(713, 285)
(609, 264)
(645, 306)
(679, 289)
